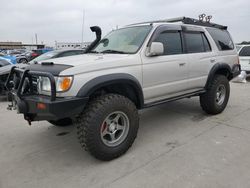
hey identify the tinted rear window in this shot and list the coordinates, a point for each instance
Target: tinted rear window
(196, 43)
(221, 38)
(206, 43)
(245, 51)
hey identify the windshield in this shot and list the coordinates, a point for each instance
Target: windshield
(126, 40)
(45, 56)
(245, 51)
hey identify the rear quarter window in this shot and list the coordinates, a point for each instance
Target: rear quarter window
(245, 51)
(221, 38)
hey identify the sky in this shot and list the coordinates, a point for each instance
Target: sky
(62, 20)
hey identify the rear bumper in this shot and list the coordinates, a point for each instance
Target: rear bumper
(37, 108)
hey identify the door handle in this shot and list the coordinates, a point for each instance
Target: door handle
(212, 60)
(182, 64)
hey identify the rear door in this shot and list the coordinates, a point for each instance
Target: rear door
(199, 56)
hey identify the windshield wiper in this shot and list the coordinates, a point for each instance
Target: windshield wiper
(113, 52)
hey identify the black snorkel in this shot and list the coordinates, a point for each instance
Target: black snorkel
(98, 32)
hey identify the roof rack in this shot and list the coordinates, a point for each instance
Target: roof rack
(187, 20)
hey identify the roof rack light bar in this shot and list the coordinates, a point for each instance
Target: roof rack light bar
(187, 20)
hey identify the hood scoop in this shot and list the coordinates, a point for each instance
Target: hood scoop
(47, 63)
(50, 67)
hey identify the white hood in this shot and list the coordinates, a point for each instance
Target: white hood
(93, 62)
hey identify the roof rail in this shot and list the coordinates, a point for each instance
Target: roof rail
(187, 20)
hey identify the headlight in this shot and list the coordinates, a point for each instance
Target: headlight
(44, 84)
(63, 83)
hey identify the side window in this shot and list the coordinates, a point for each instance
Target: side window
(194, 42)
(245, 51)
(171, 42)
(207, 46)
(221, 38)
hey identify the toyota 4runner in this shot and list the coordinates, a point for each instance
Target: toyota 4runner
(132, 68)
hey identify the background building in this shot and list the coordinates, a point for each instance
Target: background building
(20, 45)
(70, 45)
(10, 45)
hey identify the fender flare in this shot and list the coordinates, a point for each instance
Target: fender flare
(118, 78)
(217, 67)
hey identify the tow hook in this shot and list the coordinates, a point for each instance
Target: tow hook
(29, 122)
(27, 119)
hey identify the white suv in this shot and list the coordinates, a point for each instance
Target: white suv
(244, 54)
(132, 68)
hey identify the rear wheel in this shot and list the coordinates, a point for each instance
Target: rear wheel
(215, 100)
(108, 126)
(62, 122)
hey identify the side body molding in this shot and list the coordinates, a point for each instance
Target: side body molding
(219, 68)
(105, 80)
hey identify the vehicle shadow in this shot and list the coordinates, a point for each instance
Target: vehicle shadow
(166, 118)
(49, 153)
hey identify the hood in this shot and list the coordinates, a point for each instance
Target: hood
(91, 62)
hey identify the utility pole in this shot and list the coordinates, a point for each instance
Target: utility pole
(83, 19)
(36, 37)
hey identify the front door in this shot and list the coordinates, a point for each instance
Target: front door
(166, 74)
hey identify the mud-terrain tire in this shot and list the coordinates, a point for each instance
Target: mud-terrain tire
(215, 100)
(108, 126)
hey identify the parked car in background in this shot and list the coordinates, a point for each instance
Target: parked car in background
(11, 58)
(56, 54)
(38, 52)
(238, 47)
(24, 57)
(4, 71)
(4, 62)
(244, 54)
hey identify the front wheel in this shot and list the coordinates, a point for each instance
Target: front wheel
(215, 100)
(108, 126)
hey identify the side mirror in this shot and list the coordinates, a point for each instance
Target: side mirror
(155, 49)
